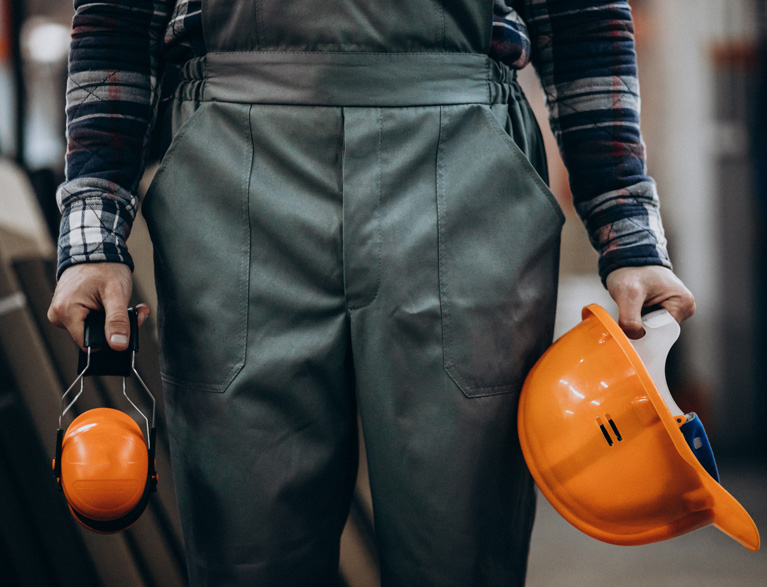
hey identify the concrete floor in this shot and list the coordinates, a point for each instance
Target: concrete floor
(561, 556)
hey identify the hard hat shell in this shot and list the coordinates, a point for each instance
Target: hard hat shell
(104, 465)
(605, 449)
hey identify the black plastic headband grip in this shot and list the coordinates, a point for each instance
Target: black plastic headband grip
(104, 360)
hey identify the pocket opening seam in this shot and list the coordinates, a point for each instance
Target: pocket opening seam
(464, 383)
(526, 165)
(173, 148)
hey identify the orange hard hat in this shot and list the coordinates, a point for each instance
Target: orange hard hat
(609, 448)
(105, 470)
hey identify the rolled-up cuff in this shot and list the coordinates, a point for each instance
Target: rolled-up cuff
(94, 229)
(626, 231)
(630, 257)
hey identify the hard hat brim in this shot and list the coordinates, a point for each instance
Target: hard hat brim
(729, 515)
(606, 449)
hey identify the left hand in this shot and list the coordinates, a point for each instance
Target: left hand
(633, 288)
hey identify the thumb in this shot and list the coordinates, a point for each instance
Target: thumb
(117, 325)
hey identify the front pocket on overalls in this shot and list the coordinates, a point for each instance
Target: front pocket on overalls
(499, 228)
(197, 213)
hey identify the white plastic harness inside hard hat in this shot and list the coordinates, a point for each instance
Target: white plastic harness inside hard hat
(661, 332)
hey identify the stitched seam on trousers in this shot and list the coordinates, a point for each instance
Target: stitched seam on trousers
(242, 335)
(203, 85)
(488, 82)
(247, 236)
(191, 386)
(493, 390)
(439, 8)
(378, 217)
(441, 221)
(260, 36)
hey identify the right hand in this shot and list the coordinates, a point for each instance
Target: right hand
(95, 286)
(633, 288)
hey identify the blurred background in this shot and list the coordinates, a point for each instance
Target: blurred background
(703, 76)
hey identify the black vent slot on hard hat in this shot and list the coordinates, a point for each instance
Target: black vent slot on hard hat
(614, 427)
(606, 433)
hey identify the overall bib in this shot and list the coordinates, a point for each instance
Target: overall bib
(349, 217)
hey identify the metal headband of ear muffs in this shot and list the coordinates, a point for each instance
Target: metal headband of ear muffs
(109, 362)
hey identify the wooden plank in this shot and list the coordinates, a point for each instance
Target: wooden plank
(40, 536)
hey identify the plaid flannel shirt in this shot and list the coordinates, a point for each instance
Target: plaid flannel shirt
(583, 51)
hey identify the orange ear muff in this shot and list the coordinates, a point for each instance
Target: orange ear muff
(105, 470)
(104, 465)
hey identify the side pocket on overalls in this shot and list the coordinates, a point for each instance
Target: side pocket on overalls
(499, 228)
(197, 213)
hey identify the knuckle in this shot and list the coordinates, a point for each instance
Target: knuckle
(53, 316)
(117, 322)
(114, 289)
(690, 306)
(629, 288)
(57, 313)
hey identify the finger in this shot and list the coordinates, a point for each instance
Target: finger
(55, 314)
(74, 323)
(633, 288)
(681, 306)
(630, 301)
(142, 313)
(630, 321)
(117, 324)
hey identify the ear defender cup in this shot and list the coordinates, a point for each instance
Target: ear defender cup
(105, 470)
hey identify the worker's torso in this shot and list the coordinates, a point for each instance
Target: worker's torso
(348, 25)
(396, 26)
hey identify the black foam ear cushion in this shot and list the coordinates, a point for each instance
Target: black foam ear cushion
(121, 523)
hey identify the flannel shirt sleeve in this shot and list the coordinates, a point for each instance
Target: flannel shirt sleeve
(583, 51)
(112, 93)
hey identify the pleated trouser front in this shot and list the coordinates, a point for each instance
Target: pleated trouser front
(396, 256)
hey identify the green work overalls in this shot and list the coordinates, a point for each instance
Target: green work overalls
(348, 216)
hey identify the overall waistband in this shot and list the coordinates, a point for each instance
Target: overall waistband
(346, 79)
